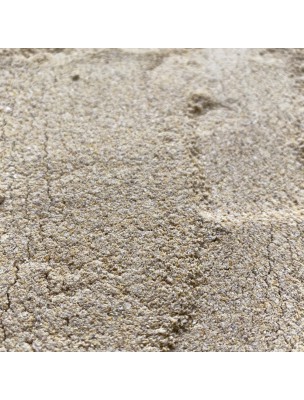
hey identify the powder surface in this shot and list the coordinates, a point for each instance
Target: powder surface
(151, 200)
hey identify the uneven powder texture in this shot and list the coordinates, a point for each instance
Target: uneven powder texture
(151, 200)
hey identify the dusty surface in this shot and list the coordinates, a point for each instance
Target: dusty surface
(151, 200)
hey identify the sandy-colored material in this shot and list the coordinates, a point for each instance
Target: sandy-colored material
(151, 200)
